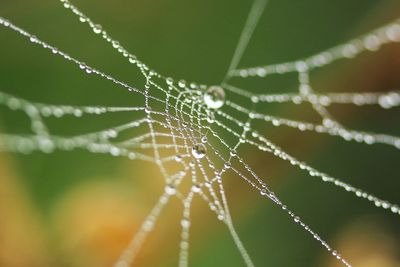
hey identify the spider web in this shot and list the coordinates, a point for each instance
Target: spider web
(182, 133)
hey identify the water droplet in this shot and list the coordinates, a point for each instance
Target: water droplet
(132, 59)
(178, 158)
(77, 113)
(46, 145)
(170, 190)
(394, 209)
(254, 99)
(182, 83)
(199, 151)
(210, 117)
(112, 133)
(196, 188)
(328, 122)
(393, 33)
(97, 29)
(246, 127)
(214, 97)
(33, 39)
(115, 151)
(148, 225)
(115, 44)
(170, 81)
(185, 223)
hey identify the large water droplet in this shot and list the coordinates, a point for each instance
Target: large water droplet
(199, 151)
(214, 97)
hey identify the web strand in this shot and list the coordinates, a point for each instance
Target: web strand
(371, 41)
(257, 9)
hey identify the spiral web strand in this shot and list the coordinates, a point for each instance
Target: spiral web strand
(178, 124)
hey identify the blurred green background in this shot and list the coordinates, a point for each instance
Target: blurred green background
(80, 209)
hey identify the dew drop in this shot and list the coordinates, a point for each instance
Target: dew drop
(210, 117)
(182, 83)
(170, 190)
(148, 225)
(214, 97)
(393, 33)
(46, 145)
(196, 188)
(394, 209)
(110, 134)
(97, 29)
(115, 44)
(33, 39)
(185, 223)
(132, 59)
(77, 113)
(170, 81)
(328, 122)
(199, 151)
(255, 99)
